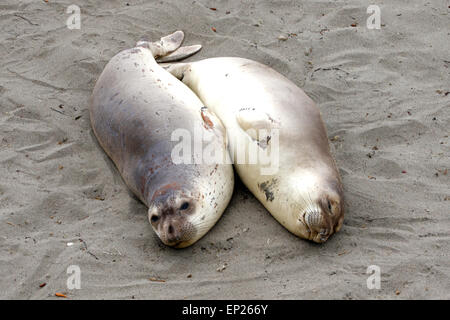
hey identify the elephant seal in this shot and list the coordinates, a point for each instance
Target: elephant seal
(135, 108)
(264, 111)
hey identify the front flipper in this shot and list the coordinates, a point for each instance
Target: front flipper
(176, 69)
(258, 125)
(214, 127)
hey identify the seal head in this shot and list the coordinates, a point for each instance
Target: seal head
(323, 212)
(181, 215)
(171, 214)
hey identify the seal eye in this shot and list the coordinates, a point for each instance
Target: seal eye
(154, 218)
(184, 206)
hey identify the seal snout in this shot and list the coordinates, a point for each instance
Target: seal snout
(320, 228)
(174, 231)
(323, 218)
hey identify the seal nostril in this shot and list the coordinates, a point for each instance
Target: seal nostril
(154, 218)
(170, 229)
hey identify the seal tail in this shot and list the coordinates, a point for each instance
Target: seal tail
(168, 48)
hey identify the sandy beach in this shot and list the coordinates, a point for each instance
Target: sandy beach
(385, 99)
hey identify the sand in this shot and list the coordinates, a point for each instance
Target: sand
(384, 96)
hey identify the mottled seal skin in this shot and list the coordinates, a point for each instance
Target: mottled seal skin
(305, 195)
(134, 108)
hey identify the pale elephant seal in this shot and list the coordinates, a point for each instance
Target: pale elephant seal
(135, 108)
(305, 194)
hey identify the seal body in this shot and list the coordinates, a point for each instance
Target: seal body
(265, 112)
(135, 108)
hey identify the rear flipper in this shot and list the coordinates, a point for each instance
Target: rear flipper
(168, 48)
(180, 54)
